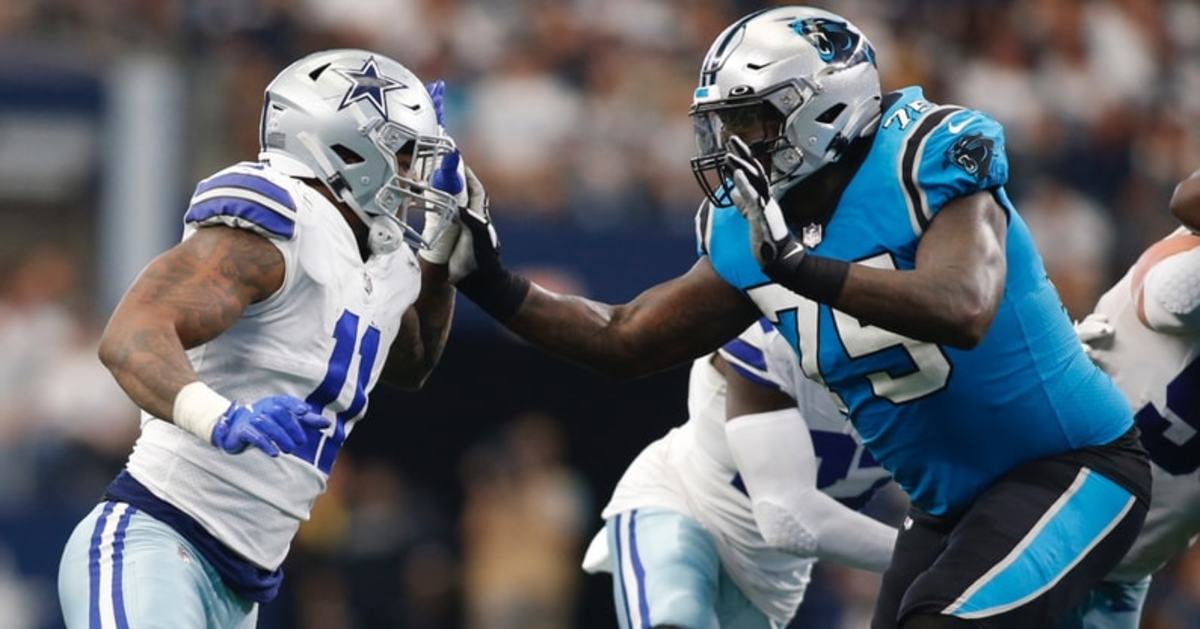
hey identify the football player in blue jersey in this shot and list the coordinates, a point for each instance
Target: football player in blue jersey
(875, 233)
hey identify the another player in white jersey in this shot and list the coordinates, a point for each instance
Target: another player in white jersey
(686, 537)
(1145, 333)
(253, 344)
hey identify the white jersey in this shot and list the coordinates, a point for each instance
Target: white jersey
(1160, 374)
(691, 470)
(323, 338)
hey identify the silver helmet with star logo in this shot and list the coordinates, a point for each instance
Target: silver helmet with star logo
(366, 127)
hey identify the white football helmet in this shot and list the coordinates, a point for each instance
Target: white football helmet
(798, 84)
(364, 126)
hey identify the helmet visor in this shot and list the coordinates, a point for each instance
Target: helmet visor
(758, 119)
(759, 124)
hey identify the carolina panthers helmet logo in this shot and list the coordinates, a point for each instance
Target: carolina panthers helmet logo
(834, 40)
(973, 154)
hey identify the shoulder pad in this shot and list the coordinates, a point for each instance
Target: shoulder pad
(247, 196)
(951, 152)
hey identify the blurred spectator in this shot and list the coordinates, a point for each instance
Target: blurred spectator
(1075, 239)
(574, 112)
(523, 524)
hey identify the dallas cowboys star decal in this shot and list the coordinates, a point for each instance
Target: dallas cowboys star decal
(368, 84)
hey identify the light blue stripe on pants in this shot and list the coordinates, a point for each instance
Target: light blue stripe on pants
(666, 571)
(122, 569)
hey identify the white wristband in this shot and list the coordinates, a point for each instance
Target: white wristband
(197, 409)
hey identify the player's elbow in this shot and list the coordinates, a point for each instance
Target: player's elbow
(969, 323)
(627, 360)
(112, 351)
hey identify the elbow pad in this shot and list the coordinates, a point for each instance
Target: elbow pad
(1171, 294)
(782, 530)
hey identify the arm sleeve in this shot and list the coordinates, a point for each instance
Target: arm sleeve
(953, 153)
(1170, 300)
(775, 457)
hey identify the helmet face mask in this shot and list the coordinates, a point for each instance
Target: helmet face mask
(364, 126)
(413, 158)
(798, 84)
(758, 119)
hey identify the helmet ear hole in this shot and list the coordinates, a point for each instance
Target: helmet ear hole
(347, 156)
(831, 114)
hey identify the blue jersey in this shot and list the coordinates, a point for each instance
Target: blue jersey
(944, 422)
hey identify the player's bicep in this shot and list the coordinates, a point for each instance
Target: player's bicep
(203, 284)
(966, 242)
(683, 318)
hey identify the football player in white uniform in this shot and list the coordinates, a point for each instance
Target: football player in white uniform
(1146, 334)
(253, 344)
(691, 547)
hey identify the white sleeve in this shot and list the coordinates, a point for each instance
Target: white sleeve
(1171, 294)
(775, 457)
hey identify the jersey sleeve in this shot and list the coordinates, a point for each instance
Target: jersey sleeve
(244, 196)
(953, 153)
(746, 354)
(251, 197)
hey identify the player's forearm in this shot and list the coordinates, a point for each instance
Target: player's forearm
(947, 307)
(1185, 203)
(775, 457)
(430, 321)
(148, 362)
(582, 331)
(849, 537)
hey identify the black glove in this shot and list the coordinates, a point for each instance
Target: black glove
(475, 266)
(771, 241)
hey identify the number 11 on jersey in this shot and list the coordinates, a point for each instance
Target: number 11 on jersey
(322, 448)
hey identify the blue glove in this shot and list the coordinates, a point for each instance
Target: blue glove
(447, 178)
(437, 91)
(273, 424)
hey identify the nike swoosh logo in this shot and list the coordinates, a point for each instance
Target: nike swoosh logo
(795, 249)
(955, 128)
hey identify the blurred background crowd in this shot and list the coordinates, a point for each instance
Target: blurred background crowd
(469, 504)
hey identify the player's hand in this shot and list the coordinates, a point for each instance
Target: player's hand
(273, 424)
(1094, 332)
(477, 253)
(450, 178)
(475, 267)
(770, 240)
